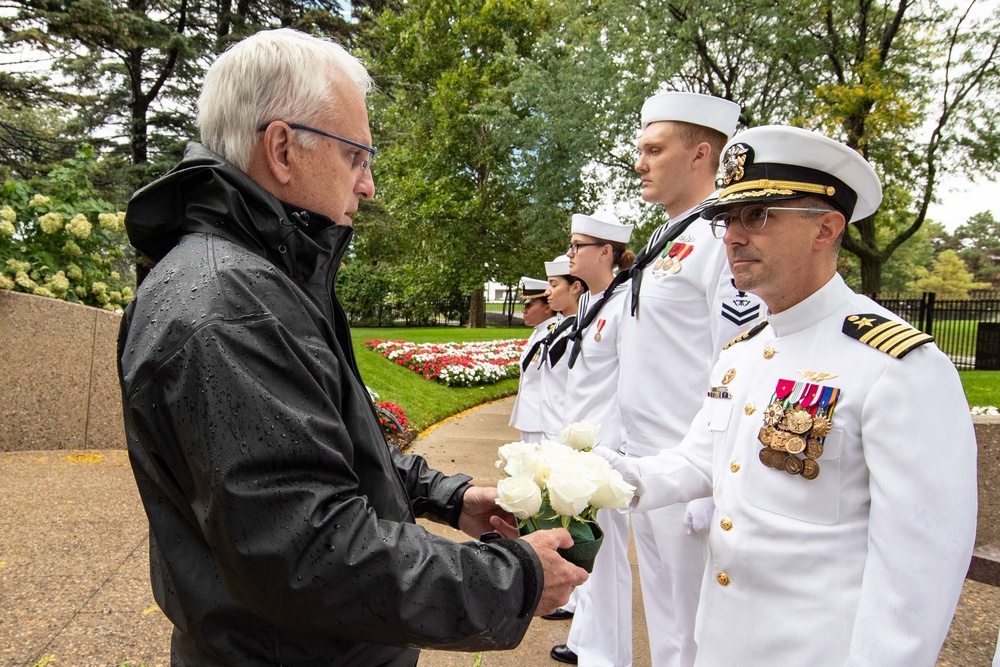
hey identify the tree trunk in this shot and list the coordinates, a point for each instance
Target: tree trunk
(871, 273)
(477, 310)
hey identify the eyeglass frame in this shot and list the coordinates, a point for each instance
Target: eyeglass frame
(574, 248)
(723, 219)
(365, 164)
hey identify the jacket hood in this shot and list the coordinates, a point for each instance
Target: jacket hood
(206, 193)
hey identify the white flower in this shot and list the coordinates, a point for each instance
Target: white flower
(551, 456)
(570, 490)
(520, 496)
(580, 435)
(518, 459)
(984, 410)
(613, 491)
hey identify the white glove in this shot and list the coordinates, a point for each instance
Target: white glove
(698, 515)
(628, 467)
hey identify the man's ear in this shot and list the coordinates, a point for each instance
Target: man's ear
(702, 153)
(831, 225)
(276, 147)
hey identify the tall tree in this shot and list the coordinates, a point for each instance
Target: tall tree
(448, 163)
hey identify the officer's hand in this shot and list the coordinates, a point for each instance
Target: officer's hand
(623, 464)
(698, 514)
(478, 507)
(560, 576)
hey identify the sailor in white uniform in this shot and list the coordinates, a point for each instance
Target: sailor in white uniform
(683, 309)
(526, 415)
(601, 633)
(834, 438)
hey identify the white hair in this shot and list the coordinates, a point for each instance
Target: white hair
(272, 75)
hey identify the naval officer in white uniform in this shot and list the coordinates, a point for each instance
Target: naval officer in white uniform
(526, 415)
(683, 309)
(835, 438)
(601, 633)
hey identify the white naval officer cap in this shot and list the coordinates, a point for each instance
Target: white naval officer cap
(695, 108)
(532, 288)
(601, 225)
(557, 267)
(776, 162)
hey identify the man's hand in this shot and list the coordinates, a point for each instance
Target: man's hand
(560, 576)
(698, 515)
(623, 464)
(478, 507)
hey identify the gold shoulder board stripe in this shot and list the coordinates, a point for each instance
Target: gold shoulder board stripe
(746, 335)
(894, 338)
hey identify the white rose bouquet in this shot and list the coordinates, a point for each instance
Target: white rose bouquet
(551, 484)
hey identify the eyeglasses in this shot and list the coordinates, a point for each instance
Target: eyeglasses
(753, 217)
(355, 163)
(574, 248)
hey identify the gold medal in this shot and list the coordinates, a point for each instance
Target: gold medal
(597, 336)
(658, 264)
(796, 421)
(793, 465)
(765, 435)
(778, 441)
(675, 267)
(820, 427)
(778, 459)
(795, 444)
(810, 469)
(814, 448)
(773, 413)
(667, 263)
(765, 456)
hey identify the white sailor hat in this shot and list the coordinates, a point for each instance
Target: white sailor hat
(601, 225)
(557, 267)
(532, 288)
(695, 108)
(775, 162)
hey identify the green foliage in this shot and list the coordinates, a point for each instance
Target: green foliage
(978, 244)
(58, 239)
(948, 277)
(981, 387)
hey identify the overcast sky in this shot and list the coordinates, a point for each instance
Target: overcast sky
(961, 199)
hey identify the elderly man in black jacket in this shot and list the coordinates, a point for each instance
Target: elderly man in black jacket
(281, 523)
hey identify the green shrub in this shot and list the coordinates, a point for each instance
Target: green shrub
(58, 239)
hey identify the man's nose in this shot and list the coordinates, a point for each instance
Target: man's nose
(365, 188)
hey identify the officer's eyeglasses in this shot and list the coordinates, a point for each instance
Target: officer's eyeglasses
(753, 217)
(574, 248)
(357, 158)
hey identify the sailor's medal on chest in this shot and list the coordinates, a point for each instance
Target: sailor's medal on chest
(600, 326)
(671, 258)
(796, 423)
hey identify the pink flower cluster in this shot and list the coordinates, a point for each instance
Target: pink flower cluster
(455, 364)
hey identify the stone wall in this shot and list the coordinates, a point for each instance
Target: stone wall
(58, 375)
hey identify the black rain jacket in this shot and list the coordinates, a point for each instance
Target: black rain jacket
(281, 522)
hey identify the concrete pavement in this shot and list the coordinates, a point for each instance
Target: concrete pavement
(74, 585)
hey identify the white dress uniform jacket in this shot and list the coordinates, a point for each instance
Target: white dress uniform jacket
(688, 310)
(526, 415)
(862, 565)
(553, 390)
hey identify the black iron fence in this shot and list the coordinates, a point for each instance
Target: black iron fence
(967, 330)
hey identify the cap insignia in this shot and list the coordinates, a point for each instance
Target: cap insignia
(733, 161)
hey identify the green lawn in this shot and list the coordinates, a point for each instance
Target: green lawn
(427, 402)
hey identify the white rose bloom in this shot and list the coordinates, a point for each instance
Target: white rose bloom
(518, 459)
(570, 490)
(581, 435)
(520, 496)
(613, 492)
(552, 456)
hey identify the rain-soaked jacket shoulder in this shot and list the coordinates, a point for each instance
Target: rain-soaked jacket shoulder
(281, 523)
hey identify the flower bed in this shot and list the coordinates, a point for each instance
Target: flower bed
(455, 364)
